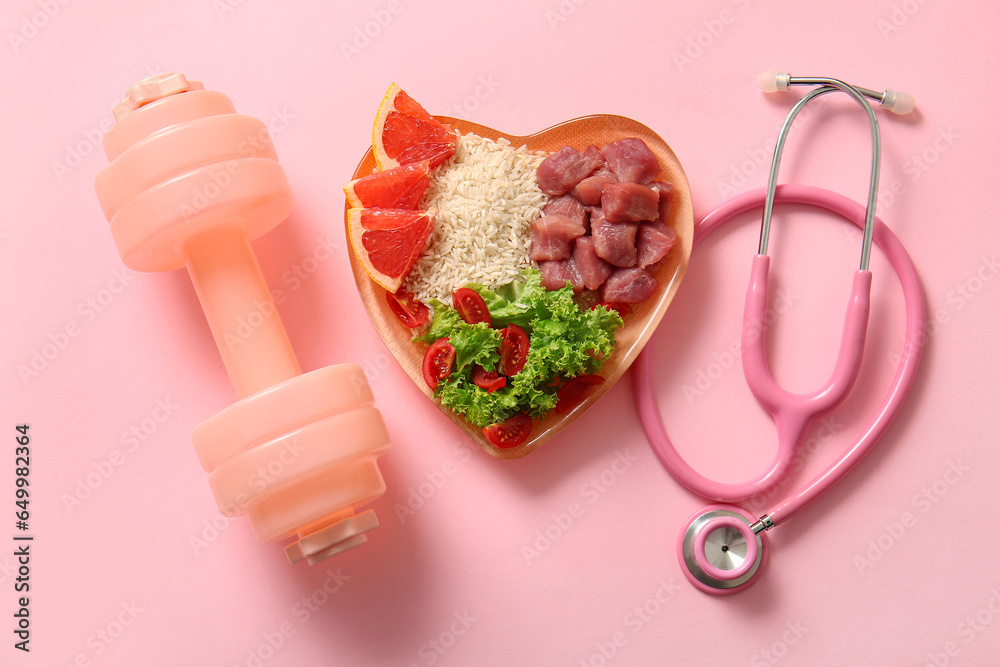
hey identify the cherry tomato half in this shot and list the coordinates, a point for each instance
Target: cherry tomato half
(488, 380)
(470, 306)
(513, 350)
(404, 305)
(437, 362)
(510, 432)
(574, 391)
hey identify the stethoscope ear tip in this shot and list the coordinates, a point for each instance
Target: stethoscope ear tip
(719, 551)
(771, 81)
(898, 102)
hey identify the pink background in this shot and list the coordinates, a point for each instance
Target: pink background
(895, 566)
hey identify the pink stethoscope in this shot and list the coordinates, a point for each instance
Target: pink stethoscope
(722, 548)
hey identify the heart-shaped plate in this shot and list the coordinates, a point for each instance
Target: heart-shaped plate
(639, 323)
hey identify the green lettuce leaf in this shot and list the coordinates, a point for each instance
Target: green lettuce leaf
(445, 319)
(475, 344)
(564, 341)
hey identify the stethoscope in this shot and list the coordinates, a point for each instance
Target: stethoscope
(722, 548)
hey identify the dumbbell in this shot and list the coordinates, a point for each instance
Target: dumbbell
(190, 184)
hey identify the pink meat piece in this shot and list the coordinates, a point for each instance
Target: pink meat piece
(666, 191)
(595, 154)
(605, 171)
(628, 286)
(629, 202)
(568, 206)
(556, 273)
(589, 189)
(593, 269)
(593, 213)
(652, 243)
(552, 237)
(613, 241)
(561, 171)
(632, 161)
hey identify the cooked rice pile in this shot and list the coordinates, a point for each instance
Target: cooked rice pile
(486, 197)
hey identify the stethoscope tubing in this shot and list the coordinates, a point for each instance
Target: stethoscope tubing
(892, 403)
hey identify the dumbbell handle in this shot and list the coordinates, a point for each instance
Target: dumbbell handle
(240, 310)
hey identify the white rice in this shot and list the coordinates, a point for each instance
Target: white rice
(486, 197)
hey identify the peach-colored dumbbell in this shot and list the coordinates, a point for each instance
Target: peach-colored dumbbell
(191, 183)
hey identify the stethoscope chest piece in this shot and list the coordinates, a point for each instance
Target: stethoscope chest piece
(719, 551)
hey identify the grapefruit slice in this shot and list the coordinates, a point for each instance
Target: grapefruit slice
(404, 133)
(401, 187)
(388, 241)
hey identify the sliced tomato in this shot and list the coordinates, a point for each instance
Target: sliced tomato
(404, 305)
(488, 380)
(574, 391)
(513, 350)
(470, 306)
(438, 361)
(510, 432)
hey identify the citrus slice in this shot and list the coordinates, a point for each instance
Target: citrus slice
(387, 241)
(401, 187)
(404, 133)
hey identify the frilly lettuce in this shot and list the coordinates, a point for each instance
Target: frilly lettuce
(564, 341)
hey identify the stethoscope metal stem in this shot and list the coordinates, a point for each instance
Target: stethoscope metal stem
(762, 524)
(823, 81)
(828, 86)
